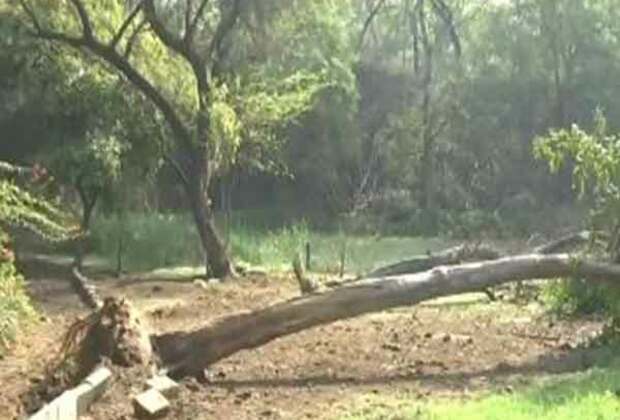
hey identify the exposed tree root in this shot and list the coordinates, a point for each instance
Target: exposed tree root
(113, 334)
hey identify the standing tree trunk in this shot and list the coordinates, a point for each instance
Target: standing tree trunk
(88, 200)
(425, 33)
(428, 167)
(217, 260)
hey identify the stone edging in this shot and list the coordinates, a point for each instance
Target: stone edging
(72, 404)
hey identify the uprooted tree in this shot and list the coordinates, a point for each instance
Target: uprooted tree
(115, 331)
(190, 352)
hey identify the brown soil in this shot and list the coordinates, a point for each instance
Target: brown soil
(439, 349)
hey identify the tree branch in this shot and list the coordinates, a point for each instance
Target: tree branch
(123, 28)
(189, 5)
(445, 14)
(39, 32)
(190, 352)
(133, 38)
(139, 81)
(189, 30)
(225, 25)
(450, 256)
(171, 41)
(177, 169)
(471, 253)
(87, 27)
(178, 45)
(567, 241)
(10, 170)
(31, 15)
(368, 22)
(108, 54)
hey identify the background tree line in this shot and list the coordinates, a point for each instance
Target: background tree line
(406, 116)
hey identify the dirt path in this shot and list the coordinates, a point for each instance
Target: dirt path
(429, 350)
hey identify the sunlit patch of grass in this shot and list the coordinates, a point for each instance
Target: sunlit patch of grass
(363, 253)
(586, 395)
(156, 241)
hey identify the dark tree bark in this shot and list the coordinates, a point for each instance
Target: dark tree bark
(88, 199)
(217, 261)
(428, 143)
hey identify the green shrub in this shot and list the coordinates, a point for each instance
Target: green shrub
(15, 306)
(19, 208)
(576, 296)
(595, 165)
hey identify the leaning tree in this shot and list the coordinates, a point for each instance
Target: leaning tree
(181, 56)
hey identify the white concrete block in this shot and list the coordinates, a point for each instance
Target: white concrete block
(150, 404)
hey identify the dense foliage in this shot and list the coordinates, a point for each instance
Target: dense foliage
(595, 161)
(20, 209)
(362, 111)
(399, 117)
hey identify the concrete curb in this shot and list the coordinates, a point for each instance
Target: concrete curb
(72, 404)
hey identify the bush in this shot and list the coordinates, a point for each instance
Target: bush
(15, 308)
(576, 296)
(595, 164)
(19, 208)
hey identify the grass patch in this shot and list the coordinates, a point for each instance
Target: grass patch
(588, 395)
(156, 240)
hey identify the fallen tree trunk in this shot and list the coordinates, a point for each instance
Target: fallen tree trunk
(471, 253)
(85, 289)
(455, 255)
(189, 353)
(566, 242)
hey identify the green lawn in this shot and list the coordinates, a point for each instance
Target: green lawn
(579, 396)
(157, 241)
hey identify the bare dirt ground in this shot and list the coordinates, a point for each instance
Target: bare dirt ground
(439, 349)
